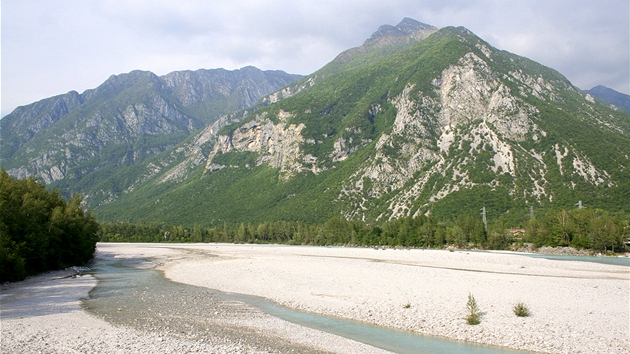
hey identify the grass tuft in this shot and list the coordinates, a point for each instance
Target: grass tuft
(521, 310)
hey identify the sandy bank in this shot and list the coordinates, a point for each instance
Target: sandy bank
(43, 315)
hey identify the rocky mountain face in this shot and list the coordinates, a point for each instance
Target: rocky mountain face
(415, 121)
(78, 140)
(427, 122)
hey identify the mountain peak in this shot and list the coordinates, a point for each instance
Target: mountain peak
(407, 27)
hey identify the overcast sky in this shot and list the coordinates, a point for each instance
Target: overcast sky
(50, 47)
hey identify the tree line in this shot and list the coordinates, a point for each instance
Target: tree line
(41, 231)
(580, 228)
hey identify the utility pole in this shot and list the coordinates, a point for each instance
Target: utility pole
(483, 217)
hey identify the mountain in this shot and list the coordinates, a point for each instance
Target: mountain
(611, 96)
(75, 141)
(417, 120)
(426, 122)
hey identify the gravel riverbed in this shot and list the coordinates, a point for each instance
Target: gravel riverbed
(51, 313)
(577, 307)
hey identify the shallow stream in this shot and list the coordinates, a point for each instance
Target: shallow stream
(146, 300)
(620, 261)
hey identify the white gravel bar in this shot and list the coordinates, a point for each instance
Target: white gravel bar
(576, 307)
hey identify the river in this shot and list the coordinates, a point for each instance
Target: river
(146, 300)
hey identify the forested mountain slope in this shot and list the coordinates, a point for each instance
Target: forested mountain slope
(416, 121)
(77, 141)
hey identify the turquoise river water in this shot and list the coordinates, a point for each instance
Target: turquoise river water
(148, 300)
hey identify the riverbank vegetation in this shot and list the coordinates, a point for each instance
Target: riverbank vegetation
(580, 228)
(41, 231)
(474, 313)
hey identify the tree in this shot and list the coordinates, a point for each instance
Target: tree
(40, 231)
(499, 236)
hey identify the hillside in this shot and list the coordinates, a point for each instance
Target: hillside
(426, 122)
(417, 120)
(78, 141)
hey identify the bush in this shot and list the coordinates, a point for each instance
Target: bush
(521, 310)
(474, 313)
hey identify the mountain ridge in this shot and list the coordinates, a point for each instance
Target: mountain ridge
(126, 109)
(611, 96)
(406, 28)
(426, 122)
(476, 125)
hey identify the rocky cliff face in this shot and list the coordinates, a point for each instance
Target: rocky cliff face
(277, 144)
(471, 118)
(125, 120)
(34, 119)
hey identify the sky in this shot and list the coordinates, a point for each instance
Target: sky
(54, 46)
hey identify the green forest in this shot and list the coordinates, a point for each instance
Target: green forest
(40, 231)
(580, 228)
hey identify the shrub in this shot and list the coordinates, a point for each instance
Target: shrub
(521, 310)
(474, 313)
